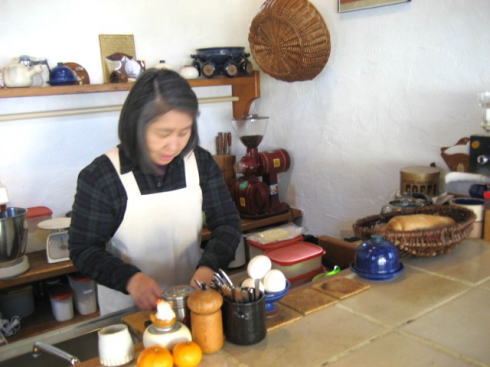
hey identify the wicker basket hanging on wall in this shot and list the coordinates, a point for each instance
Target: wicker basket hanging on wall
(289, 40)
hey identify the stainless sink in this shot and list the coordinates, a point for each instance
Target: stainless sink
(84, 347)
(79, 340)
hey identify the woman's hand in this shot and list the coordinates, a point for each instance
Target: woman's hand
(202, 274)
(144, 290)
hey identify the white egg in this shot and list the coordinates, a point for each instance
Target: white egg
(258, 266)
(250, 283)
(274, 281)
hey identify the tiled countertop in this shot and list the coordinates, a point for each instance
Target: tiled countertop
(437, 313)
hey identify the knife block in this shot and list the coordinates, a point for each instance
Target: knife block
(226, 163)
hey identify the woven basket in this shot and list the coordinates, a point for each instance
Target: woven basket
(426, 242)
(289, 40)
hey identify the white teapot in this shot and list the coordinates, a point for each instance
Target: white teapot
(17, 74)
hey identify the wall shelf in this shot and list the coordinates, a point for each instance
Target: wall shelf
(246, 88)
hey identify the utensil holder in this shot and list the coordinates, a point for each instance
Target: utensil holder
(244, 323)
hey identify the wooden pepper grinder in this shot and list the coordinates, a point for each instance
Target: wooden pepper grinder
(206, 319)
(486, 216)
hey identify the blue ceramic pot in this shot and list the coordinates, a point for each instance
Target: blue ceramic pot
(377, 258)
(62, 75)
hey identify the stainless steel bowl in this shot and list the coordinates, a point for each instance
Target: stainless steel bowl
(13, 234)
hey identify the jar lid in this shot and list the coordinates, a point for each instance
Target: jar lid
(61, 292)
(295, 253)
(177, 291)
(78, 277)
(38, 211)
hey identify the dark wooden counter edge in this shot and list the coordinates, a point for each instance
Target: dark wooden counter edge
(40, 268)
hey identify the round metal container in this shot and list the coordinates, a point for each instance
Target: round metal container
(420, 179)
(13, 235)
(177, 297)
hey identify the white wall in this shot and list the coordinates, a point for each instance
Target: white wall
(401, 82)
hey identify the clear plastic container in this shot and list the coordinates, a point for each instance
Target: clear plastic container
(298, 261)
(62, 303)
(84, 294)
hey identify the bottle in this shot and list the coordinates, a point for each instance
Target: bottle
(486, 216)
(206, 319)
(165, 330)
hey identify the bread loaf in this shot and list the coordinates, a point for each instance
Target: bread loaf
(415, 222)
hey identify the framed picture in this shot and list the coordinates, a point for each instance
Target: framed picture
(350, 5)
(112, 43)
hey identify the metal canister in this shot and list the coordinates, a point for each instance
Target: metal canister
(177, 296)
(420, 179)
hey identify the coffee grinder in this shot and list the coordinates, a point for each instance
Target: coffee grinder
(480, 144)
(256, 191)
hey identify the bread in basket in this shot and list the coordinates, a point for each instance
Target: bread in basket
(422, 242)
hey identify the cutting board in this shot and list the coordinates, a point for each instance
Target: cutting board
(136, 321)
(339, 287)
(307, 300)
(282, 316)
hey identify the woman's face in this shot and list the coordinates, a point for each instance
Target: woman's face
(167, 136)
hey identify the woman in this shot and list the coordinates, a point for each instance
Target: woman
(137, 216)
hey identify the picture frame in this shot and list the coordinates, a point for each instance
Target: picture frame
(112, 43)
(351, 5)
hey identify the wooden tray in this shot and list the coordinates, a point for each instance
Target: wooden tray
(307, 300)
(339, 287)
(283, 316)
(136, 321)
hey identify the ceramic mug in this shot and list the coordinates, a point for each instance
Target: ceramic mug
(115, 345)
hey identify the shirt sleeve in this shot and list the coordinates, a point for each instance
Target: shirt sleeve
(222, 218)
(97, 212)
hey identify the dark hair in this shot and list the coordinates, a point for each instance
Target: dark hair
(155, 93)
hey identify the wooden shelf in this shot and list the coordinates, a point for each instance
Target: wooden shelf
(40, 269)
(246, 88)
(250, 224)
(42, 320)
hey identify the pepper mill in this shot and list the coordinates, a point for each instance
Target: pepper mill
(206, 319)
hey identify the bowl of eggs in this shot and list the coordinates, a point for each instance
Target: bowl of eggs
(272, 282)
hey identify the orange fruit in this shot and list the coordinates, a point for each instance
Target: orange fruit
(187, 354)
(155, 356)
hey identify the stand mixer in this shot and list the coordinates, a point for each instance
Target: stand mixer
(13, 242)
(256, 192)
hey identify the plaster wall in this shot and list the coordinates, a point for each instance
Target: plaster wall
(401, 82)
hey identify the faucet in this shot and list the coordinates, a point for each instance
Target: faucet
(48, 348)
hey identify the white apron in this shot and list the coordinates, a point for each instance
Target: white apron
(160, 233)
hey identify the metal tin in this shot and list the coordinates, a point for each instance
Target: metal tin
(177, 297)
(420, 179)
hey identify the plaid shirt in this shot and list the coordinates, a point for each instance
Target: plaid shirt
(100, 203)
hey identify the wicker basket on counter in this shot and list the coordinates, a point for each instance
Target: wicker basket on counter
(289, 40)
(424, 242)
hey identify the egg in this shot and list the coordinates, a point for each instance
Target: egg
(274, 281)
(250, 283)
(258, 266)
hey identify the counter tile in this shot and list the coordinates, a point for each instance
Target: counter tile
(399, 300)
(485, 285)
(469, 261)
(308, 342)
(462, 324)
(400, 351)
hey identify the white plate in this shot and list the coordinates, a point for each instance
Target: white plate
(55, 223)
